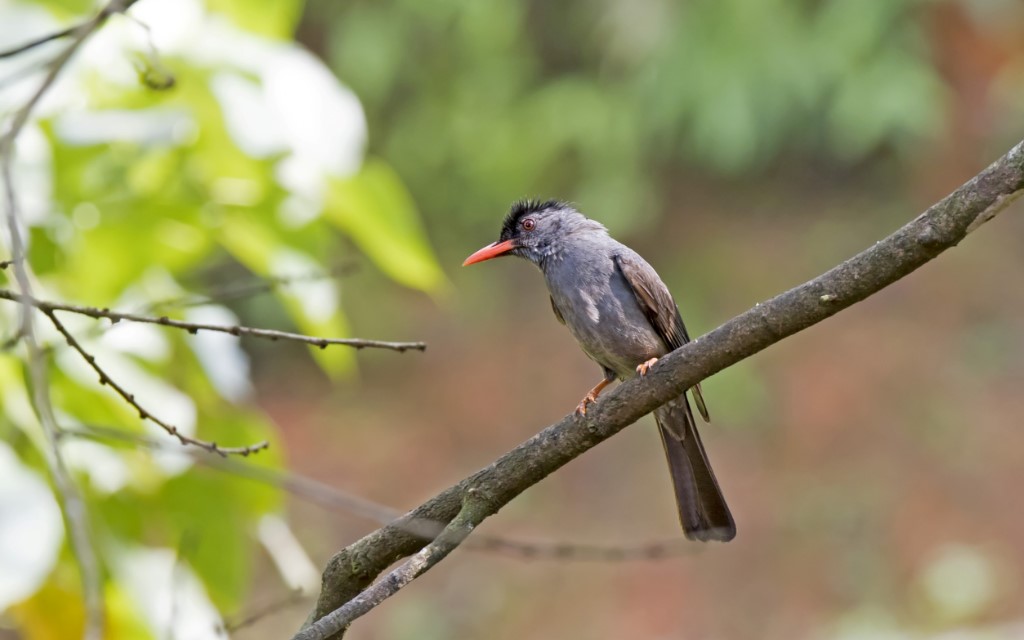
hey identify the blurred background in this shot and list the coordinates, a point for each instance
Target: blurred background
(325, 166)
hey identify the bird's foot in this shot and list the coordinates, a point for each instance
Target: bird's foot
(581, 408)
(644, 367)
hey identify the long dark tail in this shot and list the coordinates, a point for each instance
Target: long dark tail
(702, 509)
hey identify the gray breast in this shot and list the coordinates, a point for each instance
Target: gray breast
(602, 313)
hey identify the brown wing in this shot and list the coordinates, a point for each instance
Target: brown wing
(558, 314)
(660, 308)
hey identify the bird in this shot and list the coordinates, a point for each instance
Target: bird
(624, 318)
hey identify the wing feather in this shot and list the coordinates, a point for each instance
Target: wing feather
(554, 307)
(659, 307)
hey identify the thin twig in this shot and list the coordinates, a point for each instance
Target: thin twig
(335, 499)
(301, 486)
(153, 72)
(38, 42)
(75, 514)
(81, 34)
(293, 598)
(581, 552)
(194, 327)
(144, 414)
(13, 341)
(457, 530)
(27, 71)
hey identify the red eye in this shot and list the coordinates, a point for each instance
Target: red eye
(529, 224)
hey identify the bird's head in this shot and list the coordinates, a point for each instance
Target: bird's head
(536, 231)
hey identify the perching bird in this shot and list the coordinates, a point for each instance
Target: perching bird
(624, 318)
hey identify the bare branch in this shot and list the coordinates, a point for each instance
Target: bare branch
(13, 341)
(80, 34)
(105, 379)
(335, 499)
(72, 507)
(301, 486)
(472, 513)
(29, 70)
(194, 327)
(942, 226)
(293, 598)
(38, 42)
(581, 552)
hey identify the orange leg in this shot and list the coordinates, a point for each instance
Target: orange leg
(643, 367)
(581, 408)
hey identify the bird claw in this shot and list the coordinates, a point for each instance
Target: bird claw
(581, 408)
(644, 367)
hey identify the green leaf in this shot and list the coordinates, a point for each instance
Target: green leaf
(376, 211)
(275, 18)
(255, 246)
(335, 360)
(251, 244)
(212, 528)
(69, 8)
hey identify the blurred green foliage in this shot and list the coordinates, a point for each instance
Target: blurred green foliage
(602, 103)
(250, 154)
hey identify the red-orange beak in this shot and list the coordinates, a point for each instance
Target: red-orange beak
(492, 250)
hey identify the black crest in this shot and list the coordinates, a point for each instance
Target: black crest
(521, 208)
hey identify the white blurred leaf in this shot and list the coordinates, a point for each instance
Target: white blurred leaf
(220, 355)
(322, 119)
(31, 530)
(171, 599)
(291, 560)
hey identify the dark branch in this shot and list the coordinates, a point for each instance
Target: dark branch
(942, 226)
(78, 32)
(472, 513)
(38, 42)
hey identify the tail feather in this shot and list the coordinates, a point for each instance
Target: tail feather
(702, 508)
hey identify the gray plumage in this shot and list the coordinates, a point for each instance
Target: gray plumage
(622, 315)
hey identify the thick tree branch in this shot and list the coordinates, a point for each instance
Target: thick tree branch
(472, 513)
(942, 226)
